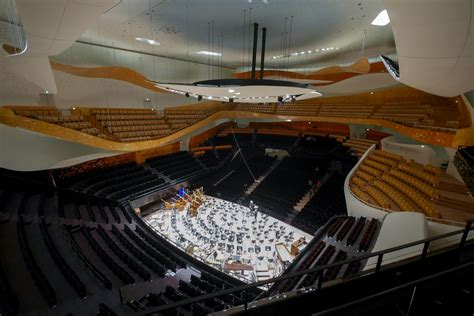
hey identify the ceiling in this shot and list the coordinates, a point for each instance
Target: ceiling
(184, 27)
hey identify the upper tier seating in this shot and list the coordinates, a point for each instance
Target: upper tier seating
(385, 176)
(132, 125)
(260, 108)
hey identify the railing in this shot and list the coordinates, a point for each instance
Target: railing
(244, 289)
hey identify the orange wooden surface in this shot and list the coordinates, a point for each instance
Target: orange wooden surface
(109, 72)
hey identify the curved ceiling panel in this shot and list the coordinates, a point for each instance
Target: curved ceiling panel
(50, 27)
(435, 44)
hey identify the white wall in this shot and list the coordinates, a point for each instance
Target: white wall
(24, 150)
(81, 91)
(421, 153)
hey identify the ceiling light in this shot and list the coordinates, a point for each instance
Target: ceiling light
(209, 97)
(382, 19)
(231, 90)
(237, 93)
(148, 41)
(310, 51)
(288, 120)
(203, 52)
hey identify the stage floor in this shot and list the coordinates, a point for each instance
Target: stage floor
(231, 238)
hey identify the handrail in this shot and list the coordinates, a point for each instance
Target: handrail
(320, 270)
(397, 288)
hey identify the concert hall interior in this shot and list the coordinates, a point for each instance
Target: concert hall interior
(251, 157)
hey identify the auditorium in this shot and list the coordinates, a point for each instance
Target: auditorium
(244, 157)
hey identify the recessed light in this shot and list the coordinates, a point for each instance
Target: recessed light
(231, 90)
(382, 19)
(237, 93)
(288, 120)
(310, 51)
(203, 52)
(148, 41)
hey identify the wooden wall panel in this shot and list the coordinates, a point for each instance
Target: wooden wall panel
(194, 141)
(141, 156)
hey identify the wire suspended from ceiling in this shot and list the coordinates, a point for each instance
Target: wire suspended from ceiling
(241, 153)
(289, 45)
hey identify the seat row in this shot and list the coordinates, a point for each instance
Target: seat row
(368, 235)
(332, 273)
(346, 227)
(134, 128)
(123, 256)
(121, 273)
(122, 111)
(356, 230)
(128, 117)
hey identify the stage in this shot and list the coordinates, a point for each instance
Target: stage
(243, 243)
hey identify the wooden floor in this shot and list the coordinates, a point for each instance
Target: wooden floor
(455, 203)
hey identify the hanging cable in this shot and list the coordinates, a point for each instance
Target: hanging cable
(187, 40)
(153, 50)
(249, 50)
(136, 89)
(289, 45)
(243, 42)
(241, 153)
(208, 49)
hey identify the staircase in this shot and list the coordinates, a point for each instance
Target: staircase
(304, 200)
(256, 183)
(309, 194)
(224, 177)
(157, 173)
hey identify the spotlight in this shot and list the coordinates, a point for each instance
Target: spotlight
(186, 95)
(199, 97)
